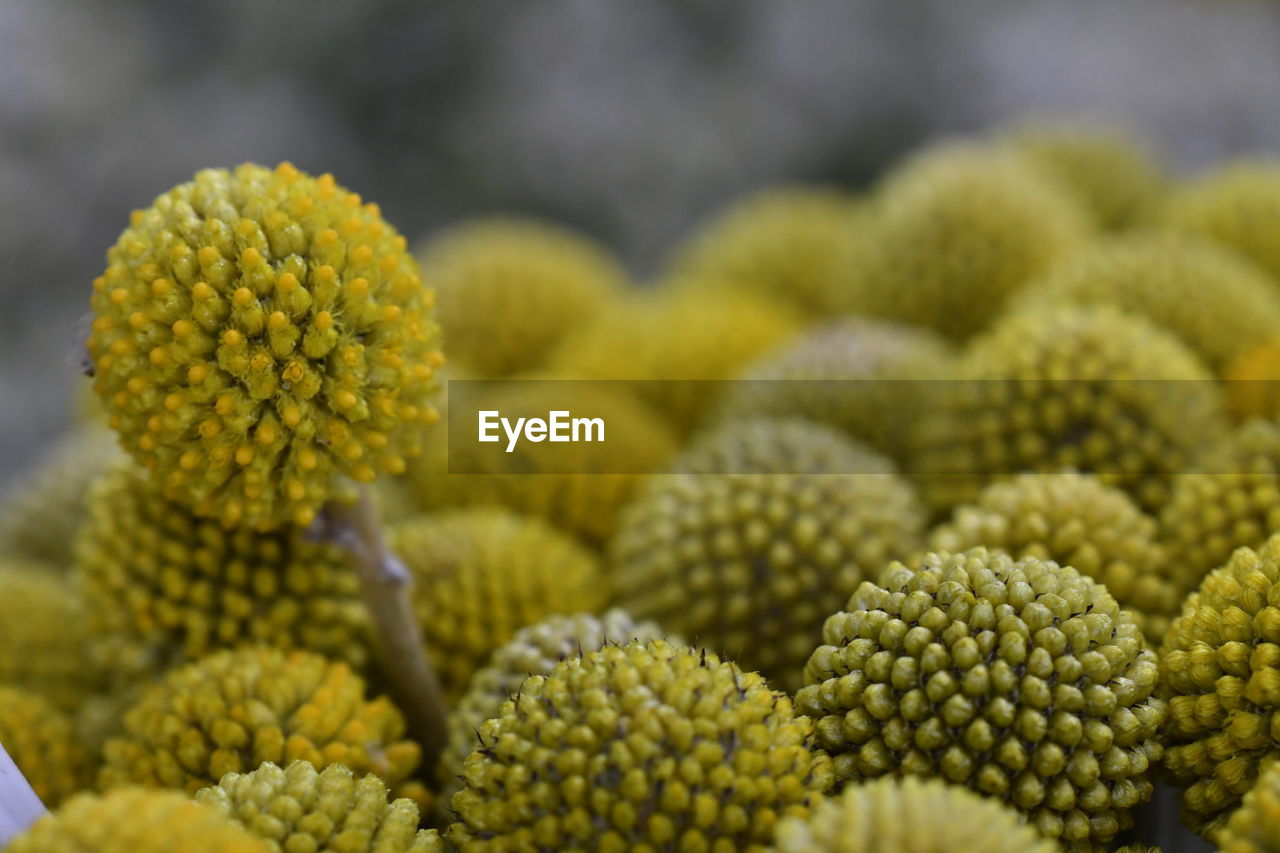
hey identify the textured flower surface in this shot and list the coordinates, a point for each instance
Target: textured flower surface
(509, 289)
(1074, 520)
(1252, 386)
(1221, 663)
(751, 559)
(42, 741)
(534, 650)
(1021, 680)
(258, 332)
(158, 578)
(234, 710)
(480, 575)
(135, 820)
(1255, 826)
(909, 816)
(647, 746)
(328, 811)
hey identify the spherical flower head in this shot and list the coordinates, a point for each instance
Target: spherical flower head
(300, 808)
(135, 820)
(1074, 520)
(41, 513)
(1227, 499)
(258, 333)
(1251, 389)
(680, 337)
(167, 584)
(788, 243)
(1113, 175)
(1237, 205)
(534, 650)
(581, 492)
(751, 560)
(852, 374)
(1221, 665)
(42, 741)
(1062, 387)
(509, 289)
(777, 445)
(1020, 679)
(954, 233)
(1255, 826)
(912, 816)
(1218, 304)
(45, 641)
(482, 574)
(643, 746)
(233, 710)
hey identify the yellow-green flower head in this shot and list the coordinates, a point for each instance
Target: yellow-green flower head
(1112, 174)
(909, 816)
(41, 514)
(534, 650)
(751, 560)
(42, 741)
(680, 333)
(1221, 665)
(1255, 826)
(481, 574)
(777, 445)
(788, 243)
(1019, 679)
(509, 289)
(1237, 205)
(1252, 387)
(1074, 520)
(135, 820)
(647, 746)
(234, 710)
(326, 811)
(952, 234)
(45, 641)
(156, 576)
(581, 492)
(1062, 387)
(854, 374)
(1229, 499)
(258, 333)
(1217, 303)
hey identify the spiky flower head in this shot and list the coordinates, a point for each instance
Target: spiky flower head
(159, 578)
(1237, 205)
(953, 233)
(1065, 387)
(681, 337)
(509, 289)
(233, 710)
(1221, 665)
(42, 741)
(41, 513)
(534, 650)
(1255, 826)
(1111, 173)
(46, 646)
(643, 746)
(788, 243)
(1218, 304)
(482, 574)
(1074, 520)
(910, 816)
(1020, 679)
(751, 560)
(257, 334)
(327, 811)
(135, 820)
(855, 374)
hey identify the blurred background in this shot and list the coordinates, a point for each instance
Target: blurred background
(628, 120)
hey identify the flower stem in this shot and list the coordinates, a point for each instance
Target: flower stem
(19, 805)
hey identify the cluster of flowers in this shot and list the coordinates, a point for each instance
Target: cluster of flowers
(977, 549)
